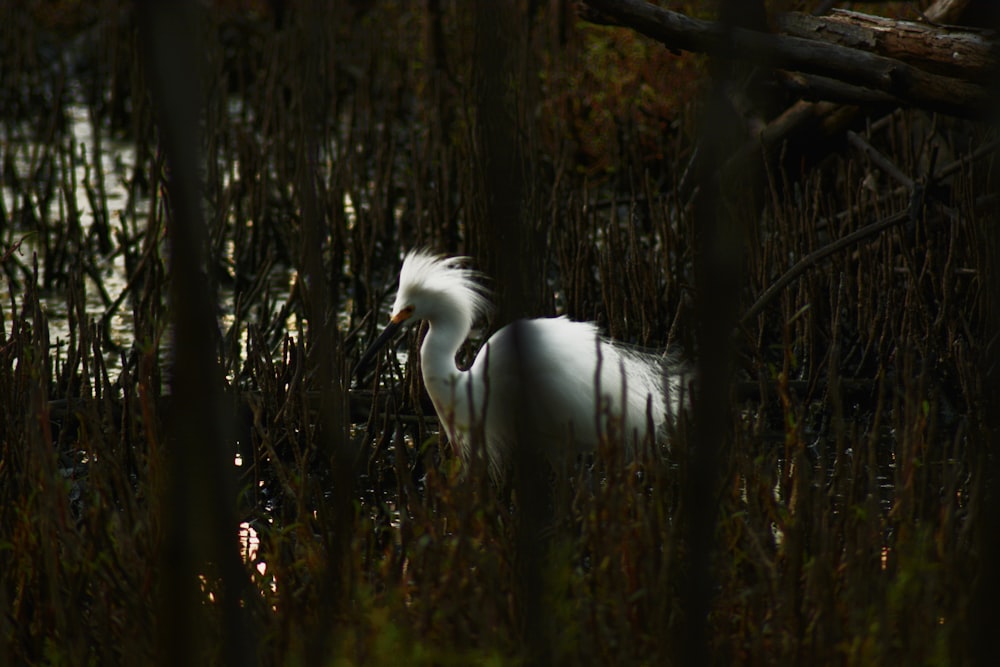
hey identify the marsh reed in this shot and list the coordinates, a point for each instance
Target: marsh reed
(333, 137)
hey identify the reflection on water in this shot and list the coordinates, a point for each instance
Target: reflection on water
(96, 164)
(62, 191)
(249, 546)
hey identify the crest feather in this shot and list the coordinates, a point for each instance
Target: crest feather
(446, 279)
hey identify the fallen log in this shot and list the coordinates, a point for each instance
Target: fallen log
(937, 68)
(960, 53)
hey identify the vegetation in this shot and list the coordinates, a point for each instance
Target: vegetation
(854, 473)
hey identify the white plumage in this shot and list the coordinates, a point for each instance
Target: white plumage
(552, 382)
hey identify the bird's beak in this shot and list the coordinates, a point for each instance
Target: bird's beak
(387, 334)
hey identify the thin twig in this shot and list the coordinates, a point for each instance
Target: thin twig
(880, 160)
(813, 258)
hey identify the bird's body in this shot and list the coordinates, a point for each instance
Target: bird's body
(549, 382)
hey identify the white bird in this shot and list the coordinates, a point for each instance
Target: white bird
(553, 382)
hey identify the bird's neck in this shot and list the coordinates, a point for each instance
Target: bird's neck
(445, 383)
(437, 353)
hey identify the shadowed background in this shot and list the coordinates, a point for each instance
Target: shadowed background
(196, 248)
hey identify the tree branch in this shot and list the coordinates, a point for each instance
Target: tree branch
(910, 84)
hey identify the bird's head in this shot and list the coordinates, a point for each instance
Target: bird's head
(439, 289)
(436, 288)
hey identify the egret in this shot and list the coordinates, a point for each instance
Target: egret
(553, 381)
